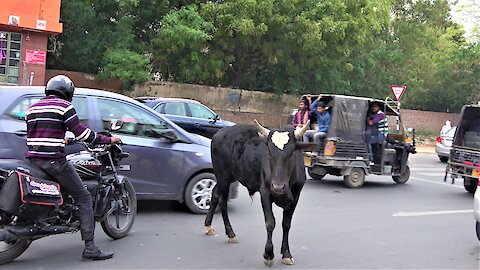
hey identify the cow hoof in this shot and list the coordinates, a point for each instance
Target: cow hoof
(267, 262)
(288, 261)
(209, 230)
(233, 240)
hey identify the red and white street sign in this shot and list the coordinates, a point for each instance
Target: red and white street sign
(398, 91)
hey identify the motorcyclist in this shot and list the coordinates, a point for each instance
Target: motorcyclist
(47, 121)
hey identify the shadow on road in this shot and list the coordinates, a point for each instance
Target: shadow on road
(367, 185)
(146, 206)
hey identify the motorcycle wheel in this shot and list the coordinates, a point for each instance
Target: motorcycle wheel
(9, 251)
(121, 213)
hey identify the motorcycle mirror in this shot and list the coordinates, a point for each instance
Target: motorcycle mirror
(116, 125)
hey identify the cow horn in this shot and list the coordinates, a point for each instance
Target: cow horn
(299, 131)
(261, 130)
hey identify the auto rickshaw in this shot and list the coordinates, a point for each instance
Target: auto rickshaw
(344, 151)
(464, 158)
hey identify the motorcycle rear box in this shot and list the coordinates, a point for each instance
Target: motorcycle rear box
(10, 200)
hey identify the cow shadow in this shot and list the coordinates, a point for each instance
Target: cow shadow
(167, 207)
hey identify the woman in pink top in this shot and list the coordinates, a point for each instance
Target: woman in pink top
(302, 115)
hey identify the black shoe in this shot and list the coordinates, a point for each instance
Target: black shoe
(97, 255)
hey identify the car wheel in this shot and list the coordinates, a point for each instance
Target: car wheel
(470, 184)
(478, 230)
(443, 159)
(355, 179)
(402, 179)
(198, 193)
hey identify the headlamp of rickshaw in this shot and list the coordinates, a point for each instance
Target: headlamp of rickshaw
(329, 148)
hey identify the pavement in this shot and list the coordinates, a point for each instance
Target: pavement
(425, 148)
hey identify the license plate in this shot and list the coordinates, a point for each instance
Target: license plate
(475, 173)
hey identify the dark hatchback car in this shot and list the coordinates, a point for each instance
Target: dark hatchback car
(190, 114)
(175, 168)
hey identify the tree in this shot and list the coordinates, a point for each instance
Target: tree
(130, 67)
(284, 46)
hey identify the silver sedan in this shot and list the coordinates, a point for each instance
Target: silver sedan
(444, 144)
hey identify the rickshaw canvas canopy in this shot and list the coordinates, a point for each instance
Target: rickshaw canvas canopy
(348, 119)
(468, 128)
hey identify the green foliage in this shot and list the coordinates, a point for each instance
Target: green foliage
(426, 133)
(130, 67)
(283, 46)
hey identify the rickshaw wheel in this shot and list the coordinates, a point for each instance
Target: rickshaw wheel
(472, 187)
(316, 176)
(402, 179)
(355, 179)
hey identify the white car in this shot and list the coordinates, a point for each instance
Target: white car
(476, 210)
(444, 144)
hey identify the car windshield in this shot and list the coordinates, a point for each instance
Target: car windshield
(451, 132)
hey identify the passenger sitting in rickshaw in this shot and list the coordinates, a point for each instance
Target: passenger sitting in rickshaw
(303, 114)
(377, 127)
(323, 119)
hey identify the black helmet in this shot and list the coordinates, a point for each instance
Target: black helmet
(60, 86)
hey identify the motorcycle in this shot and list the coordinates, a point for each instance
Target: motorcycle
(32, 206)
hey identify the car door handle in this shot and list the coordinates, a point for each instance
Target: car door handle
(21, 133)
(196, 125)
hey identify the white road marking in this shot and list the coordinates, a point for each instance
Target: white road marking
(447, 184)
(433, 174)
(431, 213)
(428, 169)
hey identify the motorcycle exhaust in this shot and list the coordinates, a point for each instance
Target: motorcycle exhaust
(13, 233)
(6, 236)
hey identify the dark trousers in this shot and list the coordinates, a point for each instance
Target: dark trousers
(64, 173)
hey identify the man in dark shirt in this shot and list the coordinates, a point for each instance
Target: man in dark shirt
(377, 127)
(47, 121)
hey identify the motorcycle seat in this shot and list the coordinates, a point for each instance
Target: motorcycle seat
(13, 164)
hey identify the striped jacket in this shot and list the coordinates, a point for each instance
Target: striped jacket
(47, 121)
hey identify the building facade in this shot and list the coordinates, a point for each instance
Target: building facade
(24, 30)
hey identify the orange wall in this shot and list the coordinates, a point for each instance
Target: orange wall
(31, 10)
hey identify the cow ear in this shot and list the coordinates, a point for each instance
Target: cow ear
(305, 146)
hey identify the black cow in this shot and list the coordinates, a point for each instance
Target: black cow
(262, 160)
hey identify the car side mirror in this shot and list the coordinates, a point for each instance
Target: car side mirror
(116, 125)
(216, 117)
(168, 134)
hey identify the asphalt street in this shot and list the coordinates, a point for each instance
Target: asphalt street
(424, 224)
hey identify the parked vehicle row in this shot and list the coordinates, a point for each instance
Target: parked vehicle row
(189, 114)
(165, 163)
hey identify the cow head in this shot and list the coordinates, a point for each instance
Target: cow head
(284, 159)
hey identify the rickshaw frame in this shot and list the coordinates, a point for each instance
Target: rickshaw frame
(346, 133)
(464, 160)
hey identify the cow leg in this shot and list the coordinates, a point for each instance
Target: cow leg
(213, 205)
(286, 223)
(270, 225)
(232, 238)
(219, 198)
